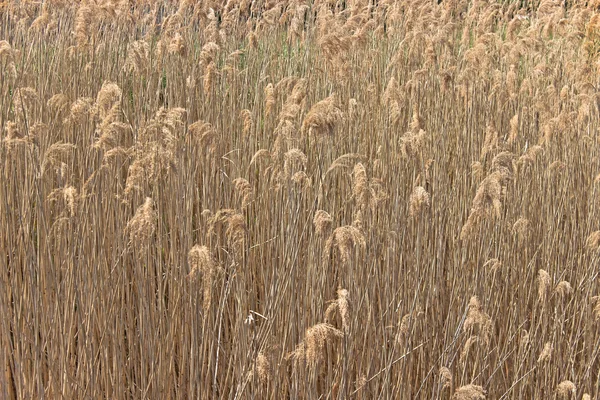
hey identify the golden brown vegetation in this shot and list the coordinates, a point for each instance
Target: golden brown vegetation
(300, 199)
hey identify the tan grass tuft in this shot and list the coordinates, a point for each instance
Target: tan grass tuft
(204, 134)
(477, 318)
(138, 57)
(546, 353)
(244, 191)
(259, 155)
(83, 22)
(490, 143)
(177, 45)
(322, 118)
(564, 289)
(143, 224)
(360, 185)
(487, 203)
(469, 392)
(544, 282)
(493, 264)
(366, 192)
(293, 157)
(445, 378)
(596, 309)
(322, 221)
(565, 389)
(340, 306)
(472, 340)
(592, 243)
(514, 129)
(419, 201)
(343, 161)
(109, 95)
(521, 228)
(235, 227)
(246, 116)
(269, 99)
(209, 54)
(261, 369)
(55, 154)
(81, 109)
(312, 349)
(346, 240)
(201, 262)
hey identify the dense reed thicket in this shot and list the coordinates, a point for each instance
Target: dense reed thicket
(300, 199)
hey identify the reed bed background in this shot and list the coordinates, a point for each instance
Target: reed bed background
(296, 199)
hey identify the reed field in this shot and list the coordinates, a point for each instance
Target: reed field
(300, 199)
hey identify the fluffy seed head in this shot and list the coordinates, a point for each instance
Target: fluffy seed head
(312, 349)
(201, 262)
(419, 201)
(467, 347)
(445, 378)
(322, 118)
(244, 191)
(544, 281)
(322, 221)
(345, 239)
(477, 318)
(261, 369)
(592, 243)
(143, 224)
(469, 392)
(493, 264)
(546, 353)
(341, 308)
(564, 289)
(269, 99)
(565, 389)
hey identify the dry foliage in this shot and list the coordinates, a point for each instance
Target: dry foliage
(299, 199)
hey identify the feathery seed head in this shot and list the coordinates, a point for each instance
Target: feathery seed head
(143, 224)
(312, 349)
(564, 289)
(546, 353)
(346, 240)
(445, 378)
(322, 118)
(565, 389)
(592, 243)
(544, 282)
(419, 201)
(322, 221)
(469, 392)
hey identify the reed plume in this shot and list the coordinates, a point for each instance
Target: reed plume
(339, 307)
(469, 392)
(322, 118)
(445, 378)
(201, 262)
(311, 350)
(546, 353)
(322, 221)
(143, 224)
(344, 241)
(565, 389)
(544, 282)
(419, 201)
(564, 289)
(477, 318)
